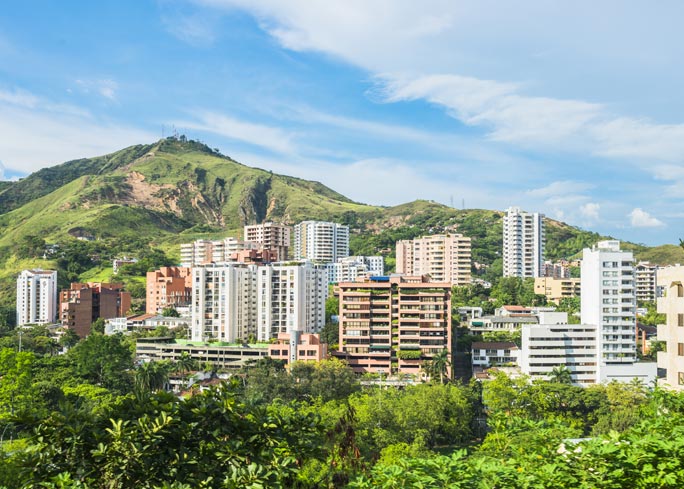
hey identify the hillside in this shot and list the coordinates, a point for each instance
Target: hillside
(175, 191)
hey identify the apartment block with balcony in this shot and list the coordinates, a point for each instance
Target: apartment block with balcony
(608, 301)
(523, 243)
(557, 289)
(645, 275)
(205, 251)
(83, 303)
(444, 257)
(36, 297)
(237, 302)
(321, 242)
(296, 346)
(271, 236)
(671, 279)
(168, 287)
(351, 268)
(394, 324)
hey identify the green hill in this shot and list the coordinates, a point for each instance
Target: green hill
(175, 191)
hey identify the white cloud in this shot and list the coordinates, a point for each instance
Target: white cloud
(561, 187)
(104, 87)
(642, 219)
(195, 29)
(590, 210)
(39, 133)
(272, 138)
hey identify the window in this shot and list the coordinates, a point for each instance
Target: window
(680, 319)
(680, 378)
(680, 349)
(680, 290)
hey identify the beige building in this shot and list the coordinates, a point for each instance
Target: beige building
(671, 279)
(444, 257)
(205, 251)
(297, 346)
(556, 289)
(270, 236)
(645, 276)
(393, 324)
(168, 287)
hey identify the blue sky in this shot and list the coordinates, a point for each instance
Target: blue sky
(573, 109)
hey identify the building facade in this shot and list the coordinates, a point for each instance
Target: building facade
(352, 268)
(444, 257)
(238, 302)
(523, 243)
(36, 297)
(608, 301)
(271, 236)
(646, 276)
(168, 287)
(394, 324)
(296, 346)
(557, 289)
(321, 242)
(205, 251)
(671, 279)
(82, 304)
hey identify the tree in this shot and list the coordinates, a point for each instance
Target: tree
(152, 376)
(104, 360)
(170, 312)
(69, 338)
(438, 366)
(15, 380)
(560, 375)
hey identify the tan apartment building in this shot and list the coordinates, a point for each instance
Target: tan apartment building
(444, 257)
(298, 346)
(393, 324)
(645, 277)
(556, 289)
(205, 251)
(671, 279)
(271, 236)
(82, 304)
(168, 287)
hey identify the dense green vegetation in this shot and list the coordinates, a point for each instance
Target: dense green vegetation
(91, 418)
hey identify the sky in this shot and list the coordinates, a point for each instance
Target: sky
(572, 109)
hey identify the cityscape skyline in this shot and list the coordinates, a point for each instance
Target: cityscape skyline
(457, 102)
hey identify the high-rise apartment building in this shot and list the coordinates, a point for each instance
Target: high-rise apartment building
(322, 242)
(523, 243)
(82, 304)
(168, 287)
(205, 251)
(351, 268)
(36, 297)
(235, 302)
(271, 236)
(671, 279)
(394, 324)
(608, 300)
(444, 257)
(645, 275)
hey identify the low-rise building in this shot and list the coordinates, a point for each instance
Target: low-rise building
(557, 289)
(296, 346)
(221, 355)
(672, 332)
(487, 354)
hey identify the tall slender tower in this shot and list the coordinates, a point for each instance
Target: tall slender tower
(523, 243)
(36, 297)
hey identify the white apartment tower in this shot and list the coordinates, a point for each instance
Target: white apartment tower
(645, 274)
(322, 242)
(36, 297)
(608, 300)
(270, 236)
(444, 257)
(205, 251)
(232, 301)
(523, 243)
(352, 268)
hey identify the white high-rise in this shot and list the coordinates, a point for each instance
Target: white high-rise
(523, 243)
(205, 251)
(233, 302)
(351, 268)
(36, 297)
(322, 242)
(608, 300)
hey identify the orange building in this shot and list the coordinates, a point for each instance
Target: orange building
(168, 287)
(393, 324)
(298, 346)
(82, 304)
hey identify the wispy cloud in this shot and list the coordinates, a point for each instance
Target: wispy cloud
(590, 210)
(105, 87)
(639, 218)
(268, 137)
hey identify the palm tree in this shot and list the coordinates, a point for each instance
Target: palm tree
(439, 365)
(185, 363)
(152, 376)
(560, 375)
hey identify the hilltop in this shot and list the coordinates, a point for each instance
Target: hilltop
(176, 190)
